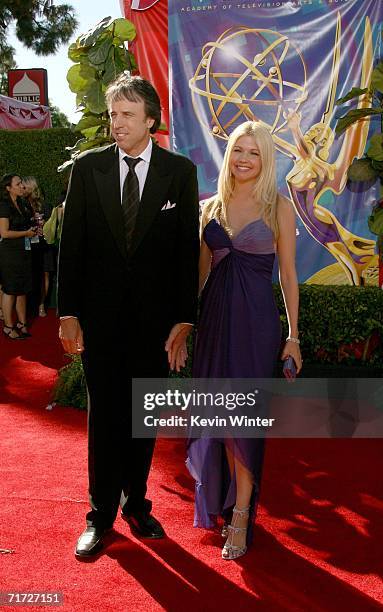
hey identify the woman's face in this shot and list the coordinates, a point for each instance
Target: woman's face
(28, 188)
(245, 160)
(16, 188)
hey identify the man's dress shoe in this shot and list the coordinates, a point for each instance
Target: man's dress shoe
(90, 541)
(144, 525)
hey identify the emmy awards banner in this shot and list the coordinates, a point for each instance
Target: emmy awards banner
(284, 64)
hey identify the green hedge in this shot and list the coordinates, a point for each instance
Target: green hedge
(70, 388)
(37, 153)
(339, 324)
(341, 331)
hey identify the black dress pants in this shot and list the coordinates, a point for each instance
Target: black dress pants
(117, 462)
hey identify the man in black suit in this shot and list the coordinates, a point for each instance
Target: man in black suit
(128, 276)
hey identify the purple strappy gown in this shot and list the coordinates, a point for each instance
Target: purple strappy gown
(238, 336)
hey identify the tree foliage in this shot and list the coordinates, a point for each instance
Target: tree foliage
(99, 56)
(37, 153)
(6, 63)
(40, 25)
(370, 166)
(59, 119)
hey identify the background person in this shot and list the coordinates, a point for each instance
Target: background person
(43, 254)
(15, 255)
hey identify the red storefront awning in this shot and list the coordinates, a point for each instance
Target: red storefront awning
(15, 115)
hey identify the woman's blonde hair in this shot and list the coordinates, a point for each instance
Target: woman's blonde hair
(35, 197)
(265, 186)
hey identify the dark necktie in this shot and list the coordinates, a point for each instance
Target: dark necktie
(130, 198)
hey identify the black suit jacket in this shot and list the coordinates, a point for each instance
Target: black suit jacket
(156, 284)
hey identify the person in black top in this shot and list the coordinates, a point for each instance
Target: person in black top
(43, 254)
(15, 255)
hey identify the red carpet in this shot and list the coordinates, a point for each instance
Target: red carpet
(318, 540)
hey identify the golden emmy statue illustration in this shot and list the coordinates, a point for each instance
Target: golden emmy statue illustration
(254, 88)
(261, 93)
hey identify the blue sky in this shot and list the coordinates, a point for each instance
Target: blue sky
(89, 12)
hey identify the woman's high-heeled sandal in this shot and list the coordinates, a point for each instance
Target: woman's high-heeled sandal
(21, 327)
(12, 329)
(225, 530)
(231, 551)
(227, 518)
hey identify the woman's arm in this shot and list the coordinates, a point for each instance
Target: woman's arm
(288, 276)
(5, 232)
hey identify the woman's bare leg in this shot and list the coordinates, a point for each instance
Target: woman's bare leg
(44, 293)
(244, 483)
(244, 480)
(21, 308)
(8, 303)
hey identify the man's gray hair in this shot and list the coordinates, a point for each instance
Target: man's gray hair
(136, 89)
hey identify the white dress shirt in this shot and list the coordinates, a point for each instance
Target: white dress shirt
(141, 168)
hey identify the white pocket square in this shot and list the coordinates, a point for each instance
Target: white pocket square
(169, 205)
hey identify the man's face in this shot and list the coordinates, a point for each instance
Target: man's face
(130, 126)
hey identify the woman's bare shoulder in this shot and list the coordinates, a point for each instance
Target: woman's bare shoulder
(285, 205)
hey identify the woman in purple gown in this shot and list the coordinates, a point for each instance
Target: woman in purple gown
(239, 335)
